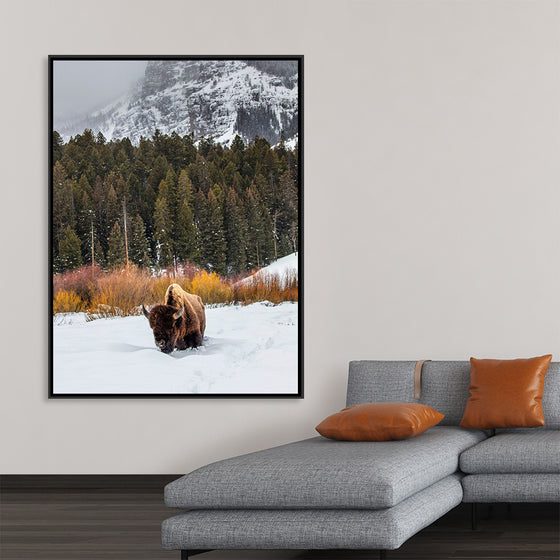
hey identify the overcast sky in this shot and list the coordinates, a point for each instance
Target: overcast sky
(82, 85)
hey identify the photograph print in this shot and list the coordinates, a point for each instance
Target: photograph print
(175, 226)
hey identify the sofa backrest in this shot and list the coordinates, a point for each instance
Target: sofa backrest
(445, 387)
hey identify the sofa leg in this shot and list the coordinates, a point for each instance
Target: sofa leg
(473, 517)
(186, 554)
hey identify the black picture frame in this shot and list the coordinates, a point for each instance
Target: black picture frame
(299, 394)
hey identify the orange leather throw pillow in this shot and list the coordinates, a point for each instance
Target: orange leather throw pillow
(382, 421)
(506, 393)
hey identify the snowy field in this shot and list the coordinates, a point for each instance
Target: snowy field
(246, 349)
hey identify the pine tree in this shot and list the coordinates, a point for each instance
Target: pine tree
(235, 227)
(175, 150)
(115, 252)
(138, 250)
(266, 190)
(271, 166)
(237, 145)
(228, 174)
(69, 250)
(209, 223)
(63, 202)
(164, 218)
(186, 246)
(281, 148)
(69, 158)
(158, 172)
(230, 209)
(287, 215)
(185, 187)
(200, 211)
(122, 189)
(101, 223)
(85, 185)
(260, 246)
(107, 211)
(219, 193)
(190, 149)
(84, 221)
(57, 146)
(268, 233)
(100, 256)
(184, 231)
(198, 173)
(168, 188)
(162, 233)
(213, 239)
(85, 140)
(144, 160)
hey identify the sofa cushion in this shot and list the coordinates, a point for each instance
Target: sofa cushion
(321, 473)
(445, 387)
(532, 487)
(316, 529)
(514, 452)
(506, 393)
(379, 422)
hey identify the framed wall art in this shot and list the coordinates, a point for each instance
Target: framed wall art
(175, 226)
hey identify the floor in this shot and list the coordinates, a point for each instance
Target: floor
(92, 524)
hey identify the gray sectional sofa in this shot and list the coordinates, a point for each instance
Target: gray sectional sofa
(325, 494)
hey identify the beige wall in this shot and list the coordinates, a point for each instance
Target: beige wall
(432, 205)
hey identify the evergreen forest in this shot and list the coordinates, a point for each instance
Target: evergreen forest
(172, 200)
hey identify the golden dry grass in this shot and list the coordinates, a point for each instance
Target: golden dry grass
(267, 288)
(122, 292)
(67, 301)
(211, 288)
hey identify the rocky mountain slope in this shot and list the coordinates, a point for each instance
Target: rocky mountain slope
(210, 98)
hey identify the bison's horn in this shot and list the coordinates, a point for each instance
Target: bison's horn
(178, 313)
(145, 311)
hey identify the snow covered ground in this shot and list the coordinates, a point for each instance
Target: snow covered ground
(246, 349)
(283, 268)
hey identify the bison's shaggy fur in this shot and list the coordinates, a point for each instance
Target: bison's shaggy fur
(179, 322)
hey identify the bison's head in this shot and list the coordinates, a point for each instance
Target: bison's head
(165, 321)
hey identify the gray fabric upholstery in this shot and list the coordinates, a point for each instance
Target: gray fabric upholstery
(551, 397)
(511, 488)
(312, 529)
(320, 494)
(523, 452)
(321, 473)
(444, 387)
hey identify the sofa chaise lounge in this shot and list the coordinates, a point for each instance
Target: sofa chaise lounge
(326, 494)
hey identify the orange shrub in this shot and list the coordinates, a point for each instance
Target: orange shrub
(81, 281)
(158, 287)
(67, 301)
(267, 288)
(210, 287)
(181, 274)
(121, 292)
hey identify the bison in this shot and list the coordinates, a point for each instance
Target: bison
(179, 322)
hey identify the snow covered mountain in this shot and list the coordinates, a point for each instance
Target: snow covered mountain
(210, 98)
